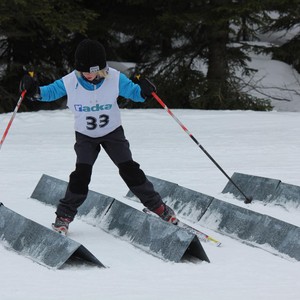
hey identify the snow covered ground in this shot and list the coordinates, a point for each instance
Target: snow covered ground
(259, 143)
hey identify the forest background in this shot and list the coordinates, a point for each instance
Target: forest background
(196, 52)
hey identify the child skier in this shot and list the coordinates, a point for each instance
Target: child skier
(92, 90)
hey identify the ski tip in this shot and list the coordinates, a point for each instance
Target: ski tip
(215, 242)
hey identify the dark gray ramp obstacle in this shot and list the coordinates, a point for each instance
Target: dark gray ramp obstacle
(287, 195)
(164, 187)
(268, 190)
(260, 188)
(256, 229)
(253, 228)
(144, 231)
(151, 234)
(188, 203)
(39, 243)
(50, 189)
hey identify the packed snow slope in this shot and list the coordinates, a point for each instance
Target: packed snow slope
(260, 143)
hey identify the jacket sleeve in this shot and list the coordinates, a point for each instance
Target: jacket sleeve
(53, 91)
(129, 90)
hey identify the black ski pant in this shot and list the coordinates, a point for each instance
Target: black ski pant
(117, 148)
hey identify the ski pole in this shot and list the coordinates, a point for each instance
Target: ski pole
(247, 199)
(12, 117)
(23, 93)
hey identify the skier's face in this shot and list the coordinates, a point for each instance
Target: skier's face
(89, 76)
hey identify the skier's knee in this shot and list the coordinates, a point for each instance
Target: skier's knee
(131, 173)
(80, 179)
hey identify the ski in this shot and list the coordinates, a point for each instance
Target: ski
(202, 236)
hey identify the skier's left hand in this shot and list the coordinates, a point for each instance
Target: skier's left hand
(31, 86)
(147, 87)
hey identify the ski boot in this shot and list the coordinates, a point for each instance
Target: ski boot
(166, 213)
(61, 225)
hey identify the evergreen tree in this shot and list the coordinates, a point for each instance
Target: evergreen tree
(226, 22)
(186, 45)
(284, 16)
(40, 35)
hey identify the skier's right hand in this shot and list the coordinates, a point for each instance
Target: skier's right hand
(147, 87)
(31, 86)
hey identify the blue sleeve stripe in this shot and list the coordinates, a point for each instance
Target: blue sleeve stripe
(53, 91)
(129, 90)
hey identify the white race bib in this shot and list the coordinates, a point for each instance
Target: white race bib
(96, 112)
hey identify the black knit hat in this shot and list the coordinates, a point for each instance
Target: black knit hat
(90, 56)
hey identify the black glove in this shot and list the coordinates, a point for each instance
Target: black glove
(31, 86)
(147, 87)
